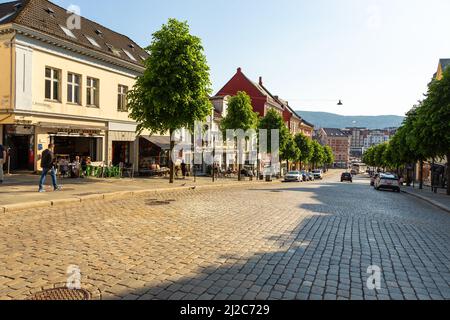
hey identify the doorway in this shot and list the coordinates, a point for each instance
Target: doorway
(21, 152)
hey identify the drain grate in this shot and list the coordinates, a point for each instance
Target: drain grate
(60, 294)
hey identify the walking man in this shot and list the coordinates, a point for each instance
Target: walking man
(2, 161)
(48, 165)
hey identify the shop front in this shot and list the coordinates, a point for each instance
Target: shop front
(19, 141)
(71, 140)
(153, 153)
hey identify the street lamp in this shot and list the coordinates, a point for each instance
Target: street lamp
(340, 103)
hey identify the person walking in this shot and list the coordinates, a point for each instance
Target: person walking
(184, 169)
(48, 165)
(2, 161)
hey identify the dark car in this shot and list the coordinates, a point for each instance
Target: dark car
(346, 177)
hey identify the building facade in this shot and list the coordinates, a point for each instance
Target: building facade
(65, 86)
(263, 100)
(340, 142)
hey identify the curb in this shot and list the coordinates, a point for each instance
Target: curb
(432, 202)
(116, 195)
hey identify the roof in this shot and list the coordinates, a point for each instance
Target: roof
(444, 63)
(333, 132)
(48, 18)
(161, 141)
(308, 123)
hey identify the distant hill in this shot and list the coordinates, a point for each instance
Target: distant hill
(330, 120)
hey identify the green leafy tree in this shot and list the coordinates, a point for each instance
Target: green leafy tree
(291, 151)
(329, 156)
(433, 121)
(305, 145)
(240, 115)
(274, 121)
(318, 154)
(173, 91)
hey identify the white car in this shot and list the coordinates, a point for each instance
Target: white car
(293, 176)
(318, 174)
(387, 181)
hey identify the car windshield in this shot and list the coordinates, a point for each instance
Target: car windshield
(294, 172)
(389, 178)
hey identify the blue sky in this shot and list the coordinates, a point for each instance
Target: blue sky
(375, 55)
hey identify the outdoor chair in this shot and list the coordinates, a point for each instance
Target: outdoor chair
(126, 169)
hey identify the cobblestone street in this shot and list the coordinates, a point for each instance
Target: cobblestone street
(276, 241)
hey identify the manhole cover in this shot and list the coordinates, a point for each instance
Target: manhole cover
(62, 294)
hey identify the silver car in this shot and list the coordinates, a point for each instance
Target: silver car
(293, 176)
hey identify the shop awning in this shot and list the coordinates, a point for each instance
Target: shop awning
(161, 141)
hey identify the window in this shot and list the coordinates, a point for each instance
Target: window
(122, 99)
(68, 32)
(73, 88)
(92, 94)
(92, 41)
(129, 55)
(52, 81)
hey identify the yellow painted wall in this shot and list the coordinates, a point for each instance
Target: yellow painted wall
(109, 82)
(5, 71)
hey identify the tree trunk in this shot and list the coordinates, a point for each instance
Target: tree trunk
(171, 168)
(448, 174)
(421, 175)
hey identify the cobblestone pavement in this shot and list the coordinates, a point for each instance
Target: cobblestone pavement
(284, 241)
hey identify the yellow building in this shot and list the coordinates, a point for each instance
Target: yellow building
(64, 79)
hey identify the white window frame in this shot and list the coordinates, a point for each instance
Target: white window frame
(74, 86)
(122, 98)
(92, 92)
(53, 79)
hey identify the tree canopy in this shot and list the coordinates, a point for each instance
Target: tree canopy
(173, 91)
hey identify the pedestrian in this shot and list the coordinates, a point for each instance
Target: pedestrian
(48, 165)
(2, 161)
(184, 169)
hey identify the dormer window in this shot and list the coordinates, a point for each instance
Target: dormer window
(129, 55)
(67, 31)
(115, 51)
(92, 41)
(50, 11)
(99, 33)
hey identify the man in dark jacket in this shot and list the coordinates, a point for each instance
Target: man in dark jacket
(48, 165)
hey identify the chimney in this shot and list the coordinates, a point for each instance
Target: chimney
(260, 81)
(239, 70)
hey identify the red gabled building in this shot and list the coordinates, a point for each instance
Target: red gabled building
(263, 100)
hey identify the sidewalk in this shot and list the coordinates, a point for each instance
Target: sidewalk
(440, 200)
(21, 191)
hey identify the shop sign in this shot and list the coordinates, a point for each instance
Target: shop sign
(78, 131)
(19, 130)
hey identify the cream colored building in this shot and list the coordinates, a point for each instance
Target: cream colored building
(65, 86)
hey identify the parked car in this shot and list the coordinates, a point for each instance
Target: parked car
(387, 181)
(310, 176)
(318, 174)
(346, 177)
(293, 176)
(305, 175)
(373, 178)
